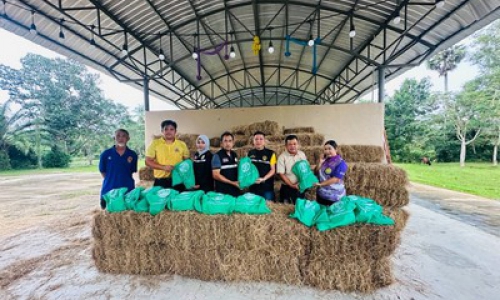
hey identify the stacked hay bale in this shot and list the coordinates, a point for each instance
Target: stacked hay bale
(265, 248)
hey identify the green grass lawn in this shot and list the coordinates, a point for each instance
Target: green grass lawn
(78, 165)
(482, 179)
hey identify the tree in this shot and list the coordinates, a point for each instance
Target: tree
(406, 118)
(446, 61)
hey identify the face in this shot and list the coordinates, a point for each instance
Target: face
(227, 142)
(169, 132)
(329, 151)
(292, 146)
(200, 144)
(121, 138)
(259, 141)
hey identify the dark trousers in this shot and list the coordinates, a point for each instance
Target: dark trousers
(289, 194)
(268, 195)
(323, 201)
(166, 183)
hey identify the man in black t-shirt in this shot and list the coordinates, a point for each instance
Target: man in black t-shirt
(265, 161)
(225, 167)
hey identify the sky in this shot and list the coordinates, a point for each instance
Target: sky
(131, 97)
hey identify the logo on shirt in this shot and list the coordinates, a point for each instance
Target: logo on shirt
(109, 157)
(252, 156)
(203, 156)
(328, 171)
(176, 150)
(225, 160)
(264, 157)
(130, 159)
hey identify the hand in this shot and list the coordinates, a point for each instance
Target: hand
(295, 186)
(195, 187)
(259, 180)
(317, 184)
(236, 184)
(168, 168)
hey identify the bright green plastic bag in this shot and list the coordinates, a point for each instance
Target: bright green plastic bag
(307, 211)
(247, 172)
(185, 201)
(142, 204)
(115, 200)
(306, 177)
(252, 204)
(368, 211)
(158, 201)
(213, 203)
(132, 197)
(338, 214)
(183, 172)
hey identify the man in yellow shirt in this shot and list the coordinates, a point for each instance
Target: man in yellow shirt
(164, 153)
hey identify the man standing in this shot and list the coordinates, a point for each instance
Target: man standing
(117, 164)
(265, 161)
(289, 191)
(225, 167)
(164, 153)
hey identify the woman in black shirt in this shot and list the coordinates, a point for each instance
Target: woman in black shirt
(202, 164)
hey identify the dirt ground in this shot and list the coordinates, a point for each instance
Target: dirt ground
(449, 250)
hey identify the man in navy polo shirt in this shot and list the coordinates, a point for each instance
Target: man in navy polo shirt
(117, 164)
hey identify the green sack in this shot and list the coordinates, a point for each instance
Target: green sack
(306, 177)
(307, 211)
(185, 201)
(115, 200)
(150, 190)
(132, 197)
(141, 206)
(183, 173)
(157, 202)
(247, 172)
(368, 211)
(338, 214)
(252, 204)
(213, 203)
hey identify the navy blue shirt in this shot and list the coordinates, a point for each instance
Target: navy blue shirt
(118, 169)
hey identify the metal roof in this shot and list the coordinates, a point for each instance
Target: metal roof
(344, 65)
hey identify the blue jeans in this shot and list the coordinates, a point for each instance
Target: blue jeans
(268, 195)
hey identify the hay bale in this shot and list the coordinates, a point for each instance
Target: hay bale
(313, 154)
(299, 130)
(267, 127)
(361, 153)
(277, 148)
(276, 139)
(240, 141)
(145, 183)
(382, 176)
(146, 173)
(391, 198)
(239, 130)
(215, 142)
(189, 139)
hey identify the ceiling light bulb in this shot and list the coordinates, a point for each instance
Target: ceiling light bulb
(161, 56)
(33, 29)
(194, 55)
(125, 50)
(310, 43)
(232, 54)
(439, 3)
(352, 33)
(271, 49)
(397, 20)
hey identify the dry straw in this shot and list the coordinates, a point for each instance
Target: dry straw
(246, 248)
(299, 130)
(361, 153)
(146, 173)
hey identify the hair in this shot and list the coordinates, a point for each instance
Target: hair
(291, 137)
(122, 131)
(331, 143)
(168, 123)
(259, 133)
(226, 133)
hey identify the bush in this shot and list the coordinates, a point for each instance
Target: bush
(56, 159)
(20, 160)
(4, 161)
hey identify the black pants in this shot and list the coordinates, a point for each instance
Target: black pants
(103, 204)
(166, 183)
(323, 201)
(289, 194)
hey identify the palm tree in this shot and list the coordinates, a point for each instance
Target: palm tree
(446, 61)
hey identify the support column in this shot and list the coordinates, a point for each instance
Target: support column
(146, 93)
(381, 84)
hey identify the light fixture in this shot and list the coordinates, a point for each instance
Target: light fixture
(270, 49)
(4, 8)
(125, 46)
(310, 43)
(161, 56)
(61, 32)
(397, 19)
(195, 54)
(92, 40)
(439, 3)
(33, 26)
(352, 30)
(232, 53)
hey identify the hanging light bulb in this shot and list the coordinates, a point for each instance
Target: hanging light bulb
(439, 3)
(92, 40)
(161, 56)
(271, 47)
(310, 43)
(61, 32)
(33, 26)
(125, 46)
(352, 30)
(194, 55)
(232, 53)
(397, 19)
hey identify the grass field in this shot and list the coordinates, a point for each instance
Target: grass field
(77, 165)
(482, 179)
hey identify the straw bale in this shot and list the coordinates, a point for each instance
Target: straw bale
(189, 139)
(377, 175)
(267, 127)
(399, 215)
(313, 154)
(361, 153)
(277, 148)
(215, 142)
(239, 130)
(392, 198)
(145, 183)
(299, 130)
(276, 139)
(146, 173)
(240, 141)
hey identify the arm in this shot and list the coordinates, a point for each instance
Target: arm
(219, 177)
(271, 172)
(102, 165)
(151, 162)
(329, 181)
(288, 182)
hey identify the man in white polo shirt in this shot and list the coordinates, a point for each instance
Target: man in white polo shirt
(289, 191)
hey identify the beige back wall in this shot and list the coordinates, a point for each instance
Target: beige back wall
(353, 124)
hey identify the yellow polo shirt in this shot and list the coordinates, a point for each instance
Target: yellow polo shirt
(167, 154)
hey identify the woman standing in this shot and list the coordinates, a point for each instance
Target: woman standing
(202, 165)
